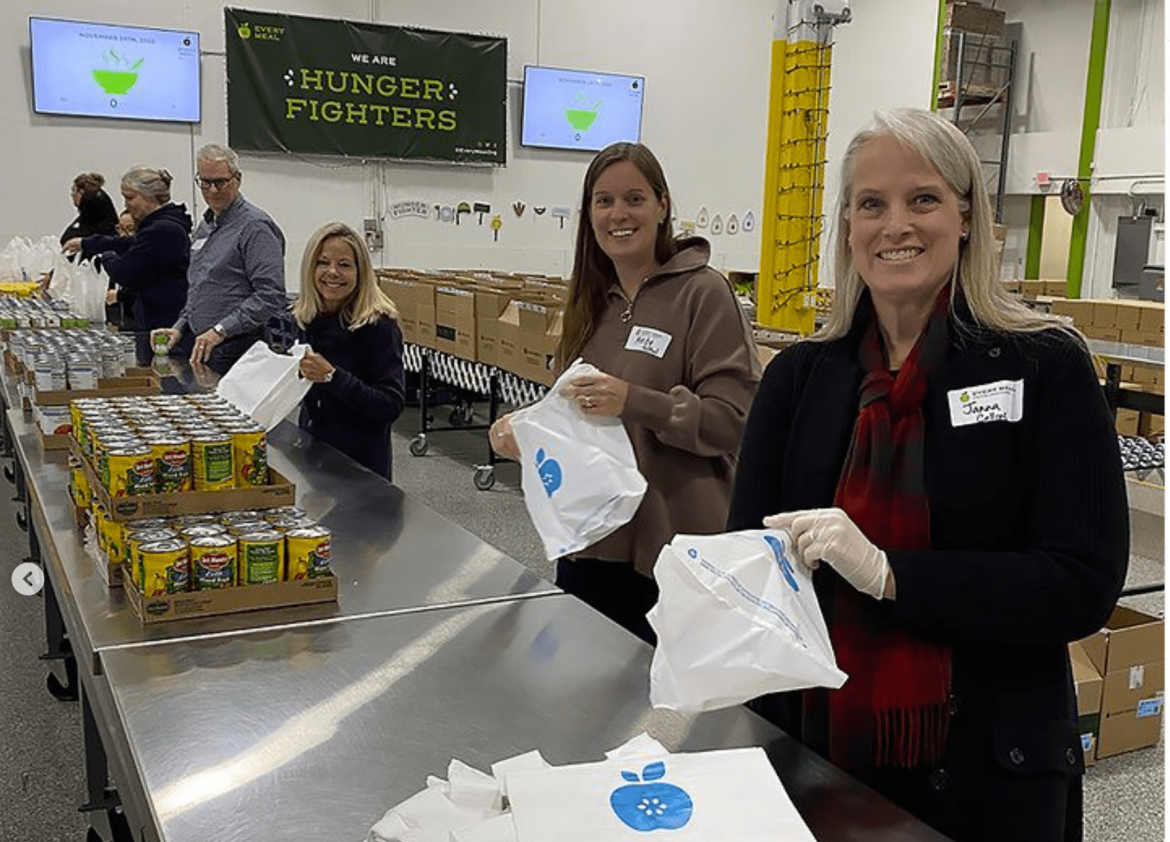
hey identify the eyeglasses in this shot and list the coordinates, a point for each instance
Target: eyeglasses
(215, 183)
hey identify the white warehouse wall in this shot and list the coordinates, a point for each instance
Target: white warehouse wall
(706, 66)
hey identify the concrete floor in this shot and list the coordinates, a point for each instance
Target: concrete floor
(41, 780)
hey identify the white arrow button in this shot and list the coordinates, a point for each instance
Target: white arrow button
(28, 578)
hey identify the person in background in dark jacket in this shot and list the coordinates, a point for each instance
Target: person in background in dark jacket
(945, 459)
(152, 263)
(679, 369)
(359, 383)
(95, 209)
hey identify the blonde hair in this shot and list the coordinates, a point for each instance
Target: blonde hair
(946, 149)
(367, 304)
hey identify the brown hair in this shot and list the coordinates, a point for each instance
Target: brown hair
(593, 271)
(89, 182)
(367, 304)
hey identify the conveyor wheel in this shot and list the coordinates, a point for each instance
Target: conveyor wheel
(485, 477)
(10, 474)
(22, 520)
(461, 415)
(418, 445)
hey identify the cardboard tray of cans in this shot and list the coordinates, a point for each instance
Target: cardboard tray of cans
(279, 492)
(137, 381)
(187, 604)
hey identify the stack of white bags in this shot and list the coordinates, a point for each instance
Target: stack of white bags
(640, 787)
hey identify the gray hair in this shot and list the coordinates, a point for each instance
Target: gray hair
(219, 152)
(938, 142)
(148, 181)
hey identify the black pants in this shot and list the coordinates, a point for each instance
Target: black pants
(614, 588)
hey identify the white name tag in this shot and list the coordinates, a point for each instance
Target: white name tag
(648, 341)
(1002, 400)
(198, 244)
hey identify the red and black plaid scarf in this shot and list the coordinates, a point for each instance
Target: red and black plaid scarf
(893, 710)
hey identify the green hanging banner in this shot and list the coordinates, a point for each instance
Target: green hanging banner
(331, 87)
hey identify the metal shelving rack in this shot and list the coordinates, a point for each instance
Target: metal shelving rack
(998, 63)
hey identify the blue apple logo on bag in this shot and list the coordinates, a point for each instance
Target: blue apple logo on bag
(782, 560)
(651, 806)
(550, 472)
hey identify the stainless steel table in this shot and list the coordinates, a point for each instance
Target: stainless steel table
(313, 732)
(390, 553)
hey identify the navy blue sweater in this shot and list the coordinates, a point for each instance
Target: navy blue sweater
(354, 411)
(152, 264)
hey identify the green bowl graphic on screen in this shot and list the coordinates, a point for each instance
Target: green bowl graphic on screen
(579, 119)
(582, 118)
(115, 81)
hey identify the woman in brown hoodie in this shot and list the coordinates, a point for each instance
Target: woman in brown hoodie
(679, 369)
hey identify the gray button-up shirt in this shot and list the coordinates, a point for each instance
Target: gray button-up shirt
(236, 276)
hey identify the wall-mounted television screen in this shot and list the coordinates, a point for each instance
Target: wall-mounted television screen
(101, 70)
(579, 109)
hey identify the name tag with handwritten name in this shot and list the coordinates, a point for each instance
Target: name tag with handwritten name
(1002, 400)
(198, 244)
(648, 341)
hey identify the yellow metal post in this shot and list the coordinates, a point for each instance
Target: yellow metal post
(798, 116)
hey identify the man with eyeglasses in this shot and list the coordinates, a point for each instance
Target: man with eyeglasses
(236, 278)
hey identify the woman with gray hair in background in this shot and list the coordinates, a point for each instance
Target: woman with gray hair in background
(152, 263)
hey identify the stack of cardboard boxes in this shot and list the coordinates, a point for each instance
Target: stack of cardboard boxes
(507, 320)
(1131, 323)
(1119, 674)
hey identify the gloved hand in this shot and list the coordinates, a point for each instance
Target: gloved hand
(829, 535)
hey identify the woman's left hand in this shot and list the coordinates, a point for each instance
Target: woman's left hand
(72, 246)
(598, 394)
(315, 368)
(831, 536)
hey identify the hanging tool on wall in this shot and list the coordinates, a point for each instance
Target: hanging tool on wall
(497, 224)
(481, 208)
(562, 213)
(461, 209)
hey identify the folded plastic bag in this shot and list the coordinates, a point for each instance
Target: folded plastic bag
(737, 617)
(578, 472)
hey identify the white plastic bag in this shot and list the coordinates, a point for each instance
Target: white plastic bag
(88, 289)
(265, 385)
(578, 471)
(736, 618)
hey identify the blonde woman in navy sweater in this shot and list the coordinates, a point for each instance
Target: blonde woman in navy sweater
(356, 359)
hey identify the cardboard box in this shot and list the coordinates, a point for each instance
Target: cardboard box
(1153, 317)
(1127, 422)
(1104, 314)
(1088, 685)
(1151, 425)
(455, 321)
(490, 302)
(1056, 288)
(179, 606)
(415, 300)
(529, 330)
(1130, 654)
(279, 492)
(1080, 310)
(137, 381)
(1107, 334)
(1129, 314)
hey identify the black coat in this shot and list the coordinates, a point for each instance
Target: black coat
(1029, 549)
(95, 215)
(152, 264)
(354, 411)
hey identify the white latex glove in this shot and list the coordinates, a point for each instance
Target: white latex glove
(829, 535)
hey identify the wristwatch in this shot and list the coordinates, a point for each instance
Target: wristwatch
(328, 378)
(219, 328)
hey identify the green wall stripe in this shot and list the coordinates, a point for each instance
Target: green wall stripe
(938, 53)
(1035, 238)
(1094, 85)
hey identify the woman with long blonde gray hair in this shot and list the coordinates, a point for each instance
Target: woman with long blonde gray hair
(355, 363)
